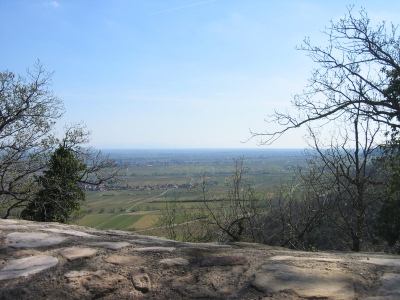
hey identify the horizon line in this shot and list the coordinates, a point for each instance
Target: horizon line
(200, 148)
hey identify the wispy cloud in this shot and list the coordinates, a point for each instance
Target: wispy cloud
(176, 8)
(52, 3)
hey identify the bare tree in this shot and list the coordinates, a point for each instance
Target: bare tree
(356, 83)
(296, 211)
(28, 112)
(334, 202)
(99, 167)
(355, 71)
(237, 216)
(185, 224)
(240, 215)
(351, 178)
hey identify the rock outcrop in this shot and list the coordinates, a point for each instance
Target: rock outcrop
(55, 261)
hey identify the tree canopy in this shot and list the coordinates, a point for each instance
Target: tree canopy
(357, 74)
(29, 146)
(356, 86)
(59, 196)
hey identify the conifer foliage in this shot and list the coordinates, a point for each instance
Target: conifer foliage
(60, 195)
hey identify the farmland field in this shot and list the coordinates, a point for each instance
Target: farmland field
(151, 177)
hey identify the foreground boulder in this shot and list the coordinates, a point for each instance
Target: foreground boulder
(55, 261)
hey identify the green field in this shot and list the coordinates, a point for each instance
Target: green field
(150, 178)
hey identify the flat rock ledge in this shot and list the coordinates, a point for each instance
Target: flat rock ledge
(319, 284)
(56, 261)
(77, 252)
(24, 267)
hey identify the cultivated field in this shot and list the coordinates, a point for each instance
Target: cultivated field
(151, 177)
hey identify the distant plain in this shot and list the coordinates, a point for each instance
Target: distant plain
(151, 177)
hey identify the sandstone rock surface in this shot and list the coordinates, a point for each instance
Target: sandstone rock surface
(170, 262)
(383, 262)
(126, 260)
(77, 252)
(315, 284)
(69, 232)
(55, 261)
(223, 261)
(32, 239)
(141, 282)
(155, 249)
(112, 246)
(27, 266)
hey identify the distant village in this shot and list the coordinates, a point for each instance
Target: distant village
(108, 187)
(146, 163)
(113, 185)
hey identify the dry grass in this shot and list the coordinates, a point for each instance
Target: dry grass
(145, 222)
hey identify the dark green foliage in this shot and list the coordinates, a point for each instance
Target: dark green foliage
(60, 195)
(388, 222)
(392, 93)
(28, 112)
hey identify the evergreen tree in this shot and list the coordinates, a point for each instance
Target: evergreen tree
(60, 195)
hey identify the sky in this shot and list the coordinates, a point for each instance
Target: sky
(173, 73)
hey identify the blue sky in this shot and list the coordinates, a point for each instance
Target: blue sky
(173, 73)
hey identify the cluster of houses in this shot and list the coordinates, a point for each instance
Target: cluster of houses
(295, 167)
(147, 163)
(104, 187)
(100, 187)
